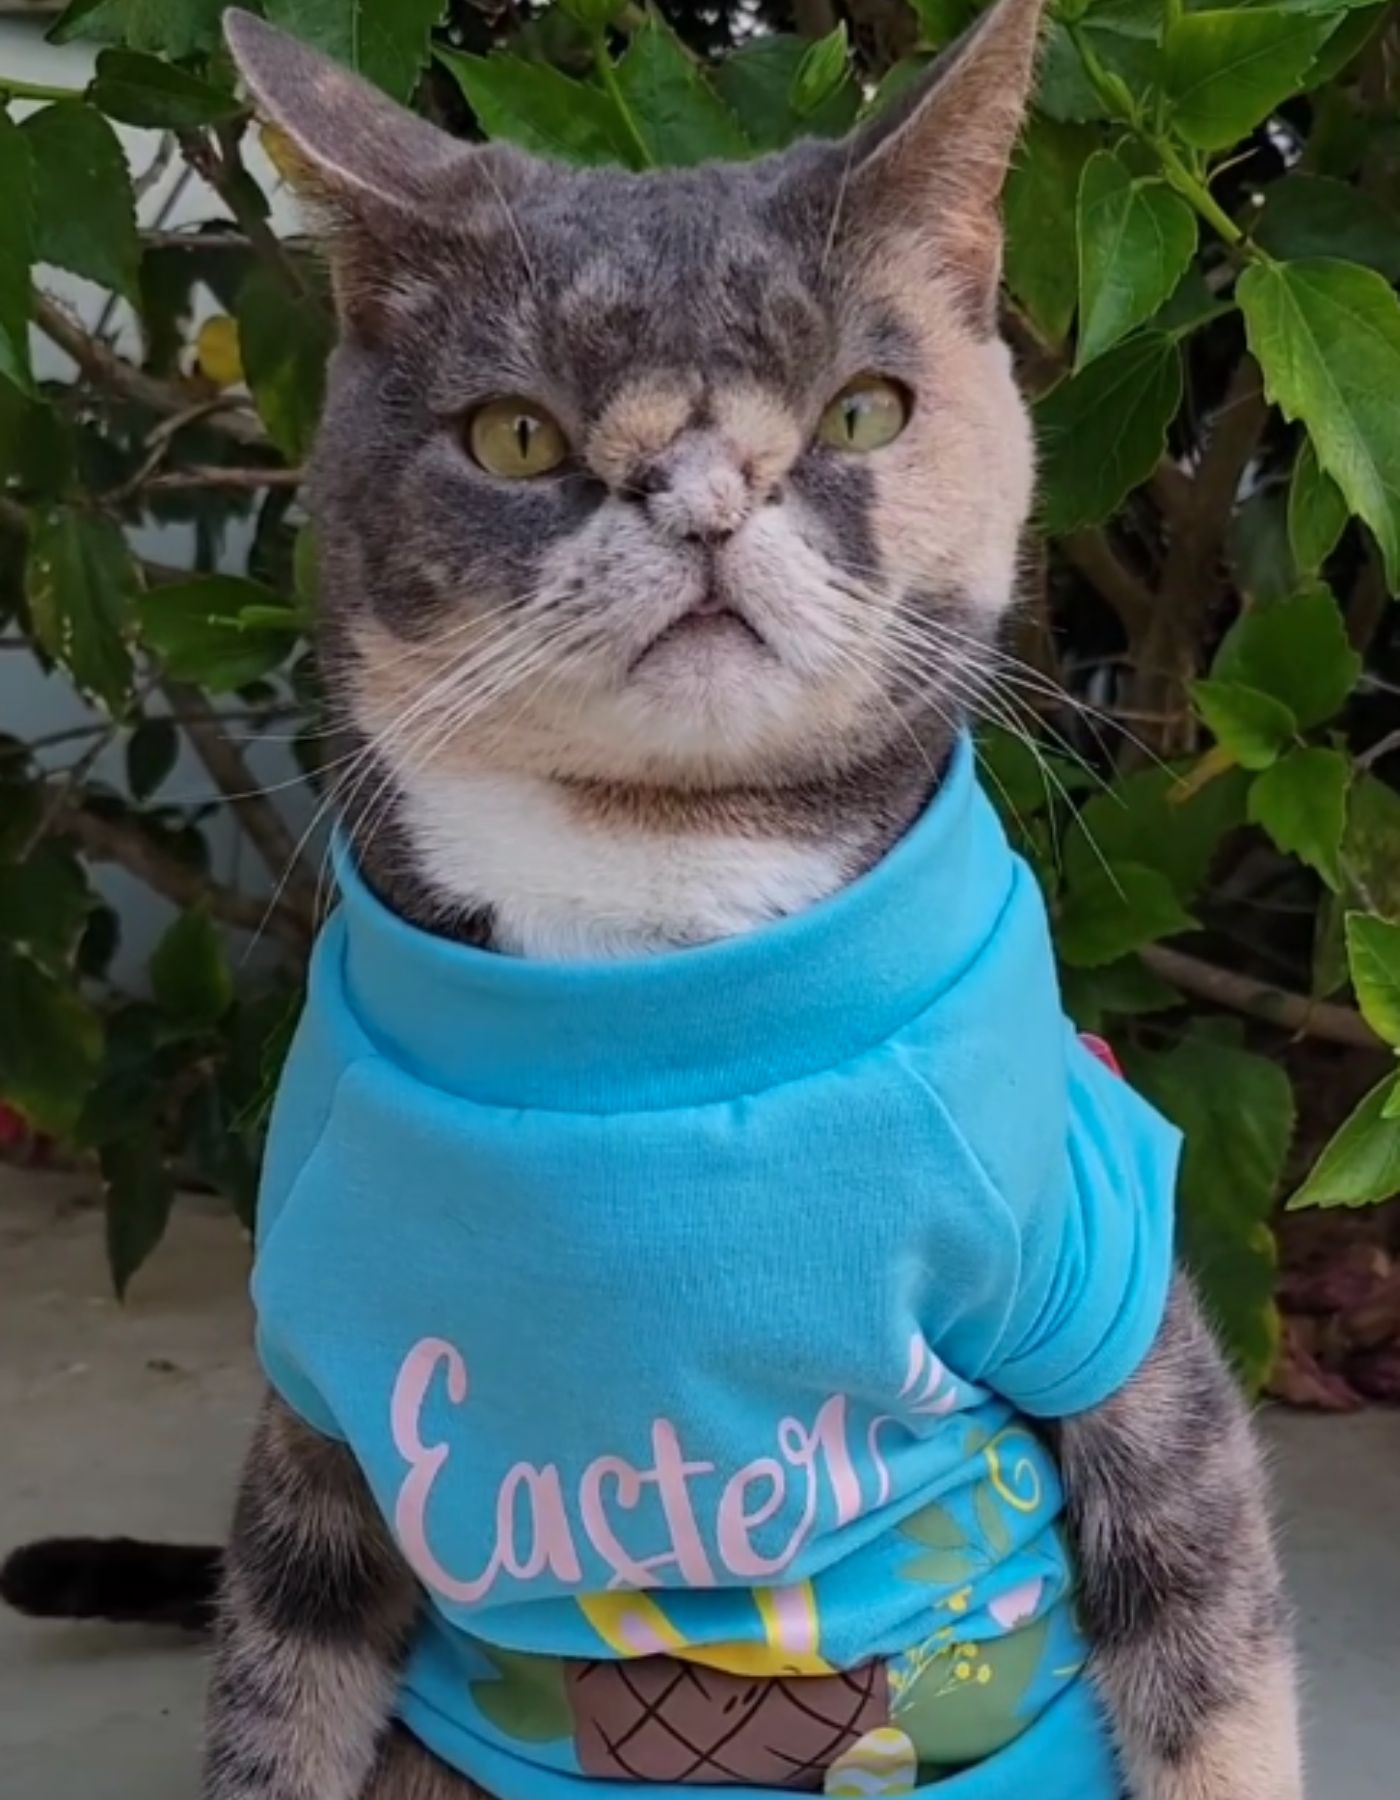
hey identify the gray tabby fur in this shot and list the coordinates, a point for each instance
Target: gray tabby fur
(553, 757)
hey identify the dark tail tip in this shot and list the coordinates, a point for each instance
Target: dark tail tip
(114, 1578)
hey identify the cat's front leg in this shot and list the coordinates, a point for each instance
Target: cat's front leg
(1181, 1592)
(315, 1610)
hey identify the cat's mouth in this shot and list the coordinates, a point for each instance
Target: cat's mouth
(711, 621)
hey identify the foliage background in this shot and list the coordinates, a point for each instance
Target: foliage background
(1194, 735)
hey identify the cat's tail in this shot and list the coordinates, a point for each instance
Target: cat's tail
(120, 1579)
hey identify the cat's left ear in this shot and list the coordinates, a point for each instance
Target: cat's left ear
(933, 165)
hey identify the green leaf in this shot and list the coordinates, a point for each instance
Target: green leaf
(820, 72)
(50, 1042)
(1373, 953)
(1190, 305)
(1255, 728)
(1041, 201)
(151, 753)
(1146, 818)
(1302, 803)
(174, 28)
(1236, 1110)
(1103, 430)
(940, 21)
(82, 187)
(189, 972)
(1317, 512)
(44, 905)
(1327, 336)
(142, 90)
(284, 339)
(386, 41)
(1109, 913)
(534, 106)
(1135, 239)
(1295, 650)
(1123, 989)
(677, 114)
(79, 581)
(16, 251)
(204, 634)
(592, 15)
(1260, 555)
(1361, 1164)
(36, 444)
(756, 84)
(1121, 35)
(1315, 216)
(98, 21)
(139, 1194)
(1224, 71)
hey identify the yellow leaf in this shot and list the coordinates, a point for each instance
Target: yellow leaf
(217, 351)
(282, 153)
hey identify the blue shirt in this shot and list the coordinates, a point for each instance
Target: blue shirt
(687, 1316)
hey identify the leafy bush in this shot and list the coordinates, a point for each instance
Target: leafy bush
(1192, 745)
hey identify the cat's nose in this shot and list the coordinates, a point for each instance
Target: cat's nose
(697, 494)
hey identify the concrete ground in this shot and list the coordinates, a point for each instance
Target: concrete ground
(132, 1419)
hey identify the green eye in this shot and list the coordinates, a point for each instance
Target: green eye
(867, 414)
(516, 439)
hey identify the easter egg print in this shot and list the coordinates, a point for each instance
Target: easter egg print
(882, 1762)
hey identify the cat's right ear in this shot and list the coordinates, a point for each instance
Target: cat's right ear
(369, 168)
(353, 149)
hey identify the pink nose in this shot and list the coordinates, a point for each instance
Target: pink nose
(697, 491)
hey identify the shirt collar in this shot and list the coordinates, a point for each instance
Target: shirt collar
(688, 1026)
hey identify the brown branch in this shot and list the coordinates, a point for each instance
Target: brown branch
(1261, 999)
(192, 239)
(198, 475)
(1191, 576)
(106, 369)
(1094, 557)
(228, 769)
(118, 841)
(219, 160)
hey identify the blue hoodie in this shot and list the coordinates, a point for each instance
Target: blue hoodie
(688, 1316)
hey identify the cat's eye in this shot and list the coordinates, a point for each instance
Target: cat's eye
(516, 439)
(867, 414)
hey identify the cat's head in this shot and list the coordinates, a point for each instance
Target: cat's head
(701, 476)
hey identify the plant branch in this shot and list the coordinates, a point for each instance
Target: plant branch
(199, 475)
(1191, 577)
(12, 89)
(1094, 557)
(228, 769)
(219, 161)
(105, 368)
(122, 842)
(1261, 999)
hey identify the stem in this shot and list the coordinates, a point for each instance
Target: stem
(105, 368)
(36, 90)
(607, 74)
(1261, 999)
(264, 825)
(1199, 195)
(124, 842)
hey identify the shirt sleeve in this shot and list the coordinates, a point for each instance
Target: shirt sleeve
(1096, 1253)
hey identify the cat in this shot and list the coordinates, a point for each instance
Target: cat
(622, 665)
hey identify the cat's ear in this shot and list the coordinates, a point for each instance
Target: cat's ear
(351, 146)
(934, 164)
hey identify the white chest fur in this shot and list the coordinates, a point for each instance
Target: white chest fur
(560, 886)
